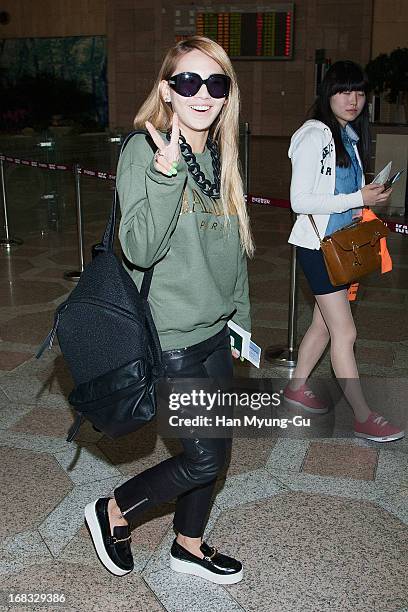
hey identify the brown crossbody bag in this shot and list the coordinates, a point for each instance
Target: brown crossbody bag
(353, 251)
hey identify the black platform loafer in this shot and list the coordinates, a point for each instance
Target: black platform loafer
(113, 551)
(215, 567)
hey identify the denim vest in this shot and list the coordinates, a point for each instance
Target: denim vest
(348, 180)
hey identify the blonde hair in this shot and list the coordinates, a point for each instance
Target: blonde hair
(224, 131)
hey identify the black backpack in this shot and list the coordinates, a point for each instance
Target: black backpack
(108, 338)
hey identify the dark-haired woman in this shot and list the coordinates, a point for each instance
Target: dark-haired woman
(183, 211)
(329, 154)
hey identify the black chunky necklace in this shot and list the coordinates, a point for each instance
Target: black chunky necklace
(206, 186)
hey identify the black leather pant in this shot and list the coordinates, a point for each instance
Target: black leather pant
(191, 475)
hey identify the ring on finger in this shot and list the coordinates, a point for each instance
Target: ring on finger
(158, 154)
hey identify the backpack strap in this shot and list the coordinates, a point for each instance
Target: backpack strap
(108, 238)
(109, 233)
(147, 279)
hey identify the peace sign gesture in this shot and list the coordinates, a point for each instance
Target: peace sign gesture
(167, 154)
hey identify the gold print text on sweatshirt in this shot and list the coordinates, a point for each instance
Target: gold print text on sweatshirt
(210, 206)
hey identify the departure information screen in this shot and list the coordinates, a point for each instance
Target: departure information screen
(244, 32)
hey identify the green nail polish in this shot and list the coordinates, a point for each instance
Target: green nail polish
(169, 172)
(174, 164)
(173, 171)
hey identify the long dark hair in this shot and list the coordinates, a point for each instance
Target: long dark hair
(344, 76)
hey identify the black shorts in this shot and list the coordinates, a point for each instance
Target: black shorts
(314, 268)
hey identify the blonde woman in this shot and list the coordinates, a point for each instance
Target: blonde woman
(183, 211)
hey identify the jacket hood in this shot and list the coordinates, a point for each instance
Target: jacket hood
(306, 129)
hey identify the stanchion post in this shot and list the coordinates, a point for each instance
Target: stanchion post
(246, 156)
(6, 242)
(292, 305)
(287, 356)
(75, 275)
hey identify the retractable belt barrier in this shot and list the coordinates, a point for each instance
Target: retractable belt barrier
(394, 225)
(251, 199)
(286, 356)
(105, 176)
(33, 164)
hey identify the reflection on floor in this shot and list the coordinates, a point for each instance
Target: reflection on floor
(319, 518)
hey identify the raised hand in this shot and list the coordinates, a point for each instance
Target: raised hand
(168, 153)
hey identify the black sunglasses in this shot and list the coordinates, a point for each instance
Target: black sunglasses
(187, 84)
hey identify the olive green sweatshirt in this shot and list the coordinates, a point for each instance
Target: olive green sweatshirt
(200, 275)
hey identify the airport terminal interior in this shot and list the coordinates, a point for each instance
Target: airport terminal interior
(318, 517)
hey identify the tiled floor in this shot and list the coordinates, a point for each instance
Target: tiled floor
(319, 519)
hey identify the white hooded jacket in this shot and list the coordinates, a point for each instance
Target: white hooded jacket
(313, 158)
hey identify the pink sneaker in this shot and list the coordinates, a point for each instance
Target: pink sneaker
(378, 429)
(306, 399)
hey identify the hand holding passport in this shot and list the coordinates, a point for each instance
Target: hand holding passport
(242, 345)
(383, 177)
